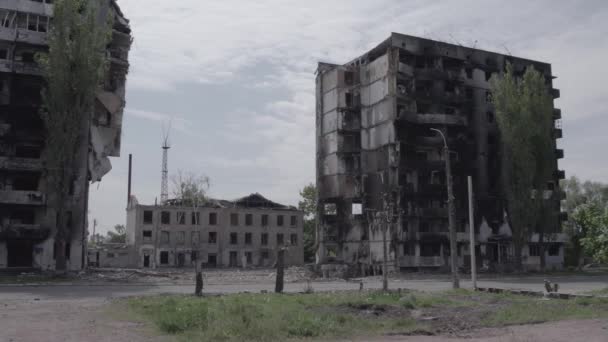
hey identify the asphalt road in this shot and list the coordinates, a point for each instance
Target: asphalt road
(567, 284)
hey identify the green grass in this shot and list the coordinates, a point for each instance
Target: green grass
(602, 292)
(272, 317)
(521, 310)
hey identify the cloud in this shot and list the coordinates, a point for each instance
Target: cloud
(174, 121)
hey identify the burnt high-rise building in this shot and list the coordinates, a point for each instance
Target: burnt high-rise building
(27, 222)
(375, 144)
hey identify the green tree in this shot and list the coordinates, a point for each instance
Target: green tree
(119, 235)
(582, 199)
(73, 69)
(524, 110)
(190, 189)
(96, 239)
(591, 220)
(308, 204)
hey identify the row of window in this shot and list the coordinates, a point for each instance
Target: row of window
(22, 20)
(165, 237)
(212, 258)
(195, 219)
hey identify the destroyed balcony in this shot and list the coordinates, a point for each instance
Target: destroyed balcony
(348, 121)
(559, 174)
(557, 113)
(27, 68)
(431, 189)
(29, 6)
(434, 212)
(454, 97)
(20, 164)
(451, 74)
(420, 261)
(559, 153)
(557, 133)
(406, 116)
(22, 197)
(405, 69)
(422, 164)
(24, 231)
(555, 93)
(429, 141)
(441, 119)
(23, 35)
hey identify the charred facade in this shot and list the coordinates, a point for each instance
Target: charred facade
(27, 223)
(373, 121)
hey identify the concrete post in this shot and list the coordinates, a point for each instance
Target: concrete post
(472, 234)
(280, 270)
(384, 258)
(451, 213)
(451, 219)
(198, 291)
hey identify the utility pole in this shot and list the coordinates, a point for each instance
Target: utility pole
(472, 234)
(451, 212)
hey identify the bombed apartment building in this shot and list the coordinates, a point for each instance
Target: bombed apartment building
(27, 224)
(374, 142)
(246, 232)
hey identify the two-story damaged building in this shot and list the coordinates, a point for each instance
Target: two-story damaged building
(27, 224)
(241, 233)
(374, 141)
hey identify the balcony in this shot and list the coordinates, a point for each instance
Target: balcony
(432, 189)
(555, 93)
(36, 7)
(434, 212)
(453, 97)
(559, 153)
(406, 69)
(348, 121)
(20, 164)
(557, 113)
(420, 261)
(441, 119)
(27, 68)
(24, 231)
(422, 164)
(557, 133)
(23, 36)
(435, 140)
(559, 174)
(22, 197)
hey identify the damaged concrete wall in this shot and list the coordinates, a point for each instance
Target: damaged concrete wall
(227, 235)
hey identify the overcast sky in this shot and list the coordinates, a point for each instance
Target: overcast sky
(236, 79)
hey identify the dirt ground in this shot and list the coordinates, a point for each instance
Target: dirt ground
(66, 320)
(89, 319)
(81, 312)
(563, 331)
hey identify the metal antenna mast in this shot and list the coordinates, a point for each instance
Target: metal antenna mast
(164, 186)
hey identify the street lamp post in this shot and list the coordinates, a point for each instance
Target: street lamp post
(451, 219)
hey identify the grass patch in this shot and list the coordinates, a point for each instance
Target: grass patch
(522, 310)
(602, 292)
(271, 317)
